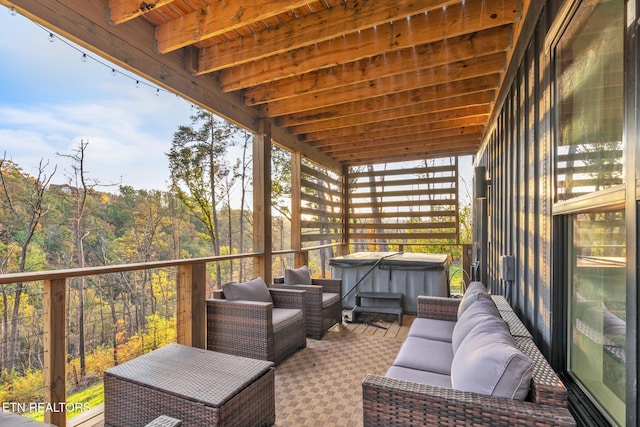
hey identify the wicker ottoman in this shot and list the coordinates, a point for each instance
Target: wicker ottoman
(198, 387)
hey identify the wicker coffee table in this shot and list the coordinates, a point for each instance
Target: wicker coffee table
(199, 387)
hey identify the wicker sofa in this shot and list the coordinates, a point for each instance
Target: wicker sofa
(266, 330)
(420, 389)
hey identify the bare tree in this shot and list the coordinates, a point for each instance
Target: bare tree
(27, 209)
(79, 188)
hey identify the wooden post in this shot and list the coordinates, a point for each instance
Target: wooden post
(191, 294)
(55, 349)
(262, 234)
(467, 259)
(343, 249)
(301, 258)
(296, 206)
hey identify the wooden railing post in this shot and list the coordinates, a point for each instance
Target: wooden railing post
(55, 355)
(467, 260)
(262, 233)
(301, 258)
(191, 295)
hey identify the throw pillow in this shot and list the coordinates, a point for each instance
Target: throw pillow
(253, 290)
(488, 362)
(482, 308)
(471, 294)
(297, 276)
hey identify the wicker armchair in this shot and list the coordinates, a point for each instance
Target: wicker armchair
(322, 303)
(245, 328)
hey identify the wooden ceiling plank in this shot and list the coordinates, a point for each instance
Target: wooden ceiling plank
(218, 18)
(403, 61)
(406, 126)
(421, 29)
(368, 143)
(351, 16)
(394, 100)
(415, 146)
(445, 150)
(477, 67)
(412, 109)
(120, 11)
(371, 121)
(406, 148)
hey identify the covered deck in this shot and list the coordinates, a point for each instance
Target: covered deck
(356, 91)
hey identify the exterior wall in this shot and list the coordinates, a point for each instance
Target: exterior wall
(517, 217)
(517, 157)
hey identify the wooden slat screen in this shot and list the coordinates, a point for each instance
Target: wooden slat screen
(405, 203)
(321, 206)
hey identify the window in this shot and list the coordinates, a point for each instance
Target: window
(589, 76)
(597, 308)
(588, 67)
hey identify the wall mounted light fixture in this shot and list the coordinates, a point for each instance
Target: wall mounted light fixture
(481, 182)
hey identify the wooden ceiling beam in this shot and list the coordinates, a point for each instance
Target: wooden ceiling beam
(407, 110)
(406, 126)
(218, 18)
(394, 100)
(351, 16)
(477, 67)
(407, 148)
(421, 29)
(401, 62)
(403, 139)
(120, 11)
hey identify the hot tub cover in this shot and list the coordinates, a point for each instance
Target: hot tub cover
(396, 260)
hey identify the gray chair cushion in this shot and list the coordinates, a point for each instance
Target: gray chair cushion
(253, 290)
(425, 355)
(417, 376)
(471, 294)
(481, 308)
(329, 298)
(432, 329)
(297, 276)
(488, 362)
(283, 317)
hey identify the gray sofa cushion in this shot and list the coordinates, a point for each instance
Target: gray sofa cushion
(253, 290)
(432, 329)
(417, 376)
(297, 276)
(488, 362)
(425, 355)
(470, 295)
(482, 307)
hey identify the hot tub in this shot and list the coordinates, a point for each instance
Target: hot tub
(410, 274)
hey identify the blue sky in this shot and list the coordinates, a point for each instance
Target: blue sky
(50, 99)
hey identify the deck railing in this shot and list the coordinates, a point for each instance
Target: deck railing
(190, 318)
(191, 279)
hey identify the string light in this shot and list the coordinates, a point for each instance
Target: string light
(85, 56)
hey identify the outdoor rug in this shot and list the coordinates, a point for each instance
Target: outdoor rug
(321, 385)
